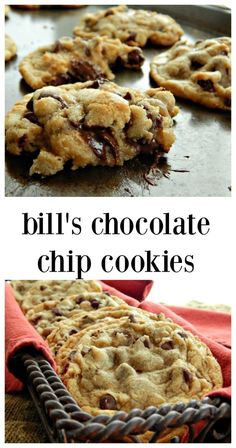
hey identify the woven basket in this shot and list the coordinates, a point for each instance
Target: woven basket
(65, 422)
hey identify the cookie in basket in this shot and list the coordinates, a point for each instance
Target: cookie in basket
(69, 60)
(92, 123)
(44, 316)
(200, 71)
(132, 26)
(68, 327)
(30, 293)
(136, 363)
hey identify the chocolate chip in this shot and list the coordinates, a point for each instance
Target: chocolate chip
(147, 342)
(85, 351)
(54, 96)
(56, 312)
(168, 345)
(100, 140)
(95, 304)
(79, 300)
(42, 288)
(206, 84)
(62, 78)
(73, 331)
(127, 96)
(85, 70)
(131, 37)
(132, 318)
(58, 46)
(187, 376)
(30, 104)
(46, 332)
(87, 51)
(108, 402)
(31, 117)
(135, 58)
(144, 147)
(195, 65)
(183, 335)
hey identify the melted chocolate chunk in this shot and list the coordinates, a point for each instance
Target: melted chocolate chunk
(79, 300)
(95, 304)
(85, 70)
(145, 147)
(131, 37)
(31, 117)
(187, 376)
(108, 13)
(108, 402)
(58, 47)
(168, 345)
(147, 342)
(73, 331)
(62, 78)
(206, 84)
(135, 58)
(195, 65)
(56, 312)
(96, 84)
(54, 96)
(30, 104)
(132, 319)
(42, 288)
(127, 96)
(101, 141)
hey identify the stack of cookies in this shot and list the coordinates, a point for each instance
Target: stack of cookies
(112, 356)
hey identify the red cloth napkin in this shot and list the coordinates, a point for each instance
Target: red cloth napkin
(19, 333)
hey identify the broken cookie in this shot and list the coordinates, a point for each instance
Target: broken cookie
(92, 123)
(70, 60)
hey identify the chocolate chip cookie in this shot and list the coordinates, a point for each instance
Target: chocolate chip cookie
(132, 26)
(92, 123)
(63, 330)
(70, 60)
(30, 293)
(10, 48)
(125, 364)
(200, 72)
(44, 316)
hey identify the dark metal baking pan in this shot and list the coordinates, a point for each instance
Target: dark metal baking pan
(64, 421)
(199, 164)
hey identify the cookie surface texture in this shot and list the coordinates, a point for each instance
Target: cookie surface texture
(92, 123)
(200, 72)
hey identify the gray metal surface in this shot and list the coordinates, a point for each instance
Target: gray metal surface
(199, 164)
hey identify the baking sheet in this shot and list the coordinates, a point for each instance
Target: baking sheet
(199, 163)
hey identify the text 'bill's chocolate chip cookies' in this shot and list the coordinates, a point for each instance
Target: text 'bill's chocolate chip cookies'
(200, 72)
(69, 60)
(92, 123)
(132, 26)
